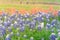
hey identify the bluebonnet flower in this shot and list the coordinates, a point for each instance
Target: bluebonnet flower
(8, 37)
(32, 25)
(48, 25)
(53, 36)
(48, 16)
(18, 19)
(15, 25)
(26, 15)
(35, 18)
(4, 14)
(19, 15)
(59, 13)
(22, 28)
(1, 35)
(31, 38)
(48, 20)
(39, 13)
(27, 21)
(11, 34)
(53, 22)
(20, 22)
(39, 27)
(40, 19)
(2, 29)
(6, 24)
(25, 36)
(10, 29)
(12, 17)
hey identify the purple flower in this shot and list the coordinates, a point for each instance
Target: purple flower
(53, 36)
(4, 14)
(15, 25)
(27, 21)
(21, 22)
(35, 18)
(1, 35)
(39, 13)
(13, 17)
(40, 19)
(9, 29)
(26, 15)
(6, 24)
(2, 29)
(8, 37)
(48, 25)
(39, 27)
(48, 20)
(48, 16)
(54, 22)
(59, 13)
(19, 15)
(32, 25)
(22, 28)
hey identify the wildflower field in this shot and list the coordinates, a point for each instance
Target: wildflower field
(29, 22)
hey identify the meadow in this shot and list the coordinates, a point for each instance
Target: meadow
(11, 32)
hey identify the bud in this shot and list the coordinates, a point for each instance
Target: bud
(31, 38)
(25, 36)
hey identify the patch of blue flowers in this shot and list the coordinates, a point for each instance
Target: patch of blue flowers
(39, 26)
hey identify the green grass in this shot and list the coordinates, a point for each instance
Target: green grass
(28, 7)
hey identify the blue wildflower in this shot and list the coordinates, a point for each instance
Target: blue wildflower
(8, 37)
(39, 27)
(53, 36)
(22, 28)
(48, 25)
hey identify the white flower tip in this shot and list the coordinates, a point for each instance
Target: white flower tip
(18, 28)
(31, 38)
(25, 35)
(15, 22)
(11, 32)
(11, 24)
(58, 33)
(42, 24)
(5, 17)
(7, 35)
(53, 33)
(30, 29)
